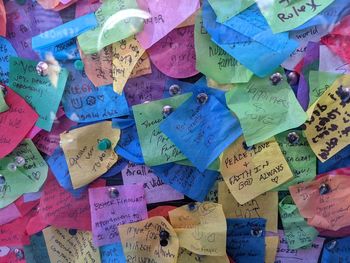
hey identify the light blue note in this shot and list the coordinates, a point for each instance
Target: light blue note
(112, 253)
(201, 131)
(187, 180)
(336, 251)
(6, 51)
(65, 51)
(83, 102)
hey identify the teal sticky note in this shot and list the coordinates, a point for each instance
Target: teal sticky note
(43, 93)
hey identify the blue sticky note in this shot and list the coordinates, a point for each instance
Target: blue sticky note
(116, 168)
(65, 51)
(122, 123)
(112, 253)
(36, 252)
(195, 88)
(339, 160)
(129, 145)
(6, 51)
(59, 168)
(201, 131)
(257, 57)
(187, 180)
(64, 32)
(83, 102)
(336, 251)
(246, 239)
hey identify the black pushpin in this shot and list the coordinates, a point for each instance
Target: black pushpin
(72, 231)
(163, 234)
(174, 90)
(163, 242)
(324, 189)
(276, 78)
(167, 110)
(202, 98)
(292, 78)
(343, 93)
(113, 192)
(256, 232)
(293, 138)
(191, 206)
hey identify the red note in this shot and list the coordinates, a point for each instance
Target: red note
(15, 123)
(2, 19)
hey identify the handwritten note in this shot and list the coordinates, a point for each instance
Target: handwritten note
(201, 230)
(126, 54)
(15, 123)
(64, 247)
(287, 255)
(107, 211)
(265, 110)
(327, 129)
(193, 128)
(250, 173)
(264, 206)
(155, 189)
(174, 55)
(329, 211)
(214, 62)
(110, 29)
(165, 16)
(284, 16)
(300, 158)
(6, 51)
(25, 179)
(156, 147)
(112, 253)
(85, 161)
(141, 242)
(43, 93)
(186, 256)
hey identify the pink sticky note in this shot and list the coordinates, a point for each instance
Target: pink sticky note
(166, 15)
(15, 123)
(47, 142)
(155, 189)
(174, 54)
(113, 206)
(8, 214)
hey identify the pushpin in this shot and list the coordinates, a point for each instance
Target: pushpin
(174, 90)
(20, 161)
(72, 232)
(202, 98)
(113, 192)
(191, 206)
(163, 234)
(331, 244)
(256, 232)
(163, 242)
(12, 167)
(19, 253)
(344, 93)
(167, 110)
(276, 78)
(292, 78)
(42, 68)
(324, 189)
(104, 144)
(293, 138)
(78, 64)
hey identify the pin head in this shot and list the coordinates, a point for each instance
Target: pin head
(104, 144)
(276, 78)
(324, 189)
(202, 98)
(19, 253)
(78, 64)
(174, 90)
(191, 206)
(344, 93)
(167, 110)
(113, 192)
(293, 138)
(163, 234)
(72, 232)
(331, 244)
(12, 167)
(256, 232)
(20, 161)
(163, 242)
(293, 78)
(42, 68)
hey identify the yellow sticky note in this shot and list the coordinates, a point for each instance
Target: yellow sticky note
(201, 229)
(327, 129)
(141, 242)
(252, 172)
(186, 256)
(85, 161)
(271, 245)
(265, 206)
(126, 53)
(142, 67)
(64, 247)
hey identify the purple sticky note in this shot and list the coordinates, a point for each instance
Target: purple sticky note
(9, 213)
(112, 206)
(308, 255)
(155, 189)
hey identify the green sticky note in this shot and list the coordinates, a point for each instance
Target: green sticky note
(3, 105)
(214, 62)
(156, 146)
(297, 232)
(263, 109)
(24, 179)
(285, 15)
(43, 93)
(225, 9)
(111, 25)
(300, 158)
(318, 83)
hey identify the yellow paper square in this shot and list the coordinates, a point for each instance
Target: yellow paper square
(186, 256)
(271, 245)
(85, 161)
(250, 173)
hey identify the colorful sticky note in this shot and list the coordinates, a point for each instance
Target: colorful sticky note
(156, 190)
(26, 177)
(43, 93)
(299, 156)
(165, 16)
(264, 109)
(15, 123)
(186, 256)
(141, 242)
(339, 160)
(72, 246)
(9, 213)
(264, 206)
(156, 146)
(193, 128)
(6, 51)
(114, 23)
(249, 173)
(284, 16)
(271, 245)
(112, 253)
(114, 206)
(174, 54)
(327, 129)
(201, 228)
(336, 250)
(225, 9)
